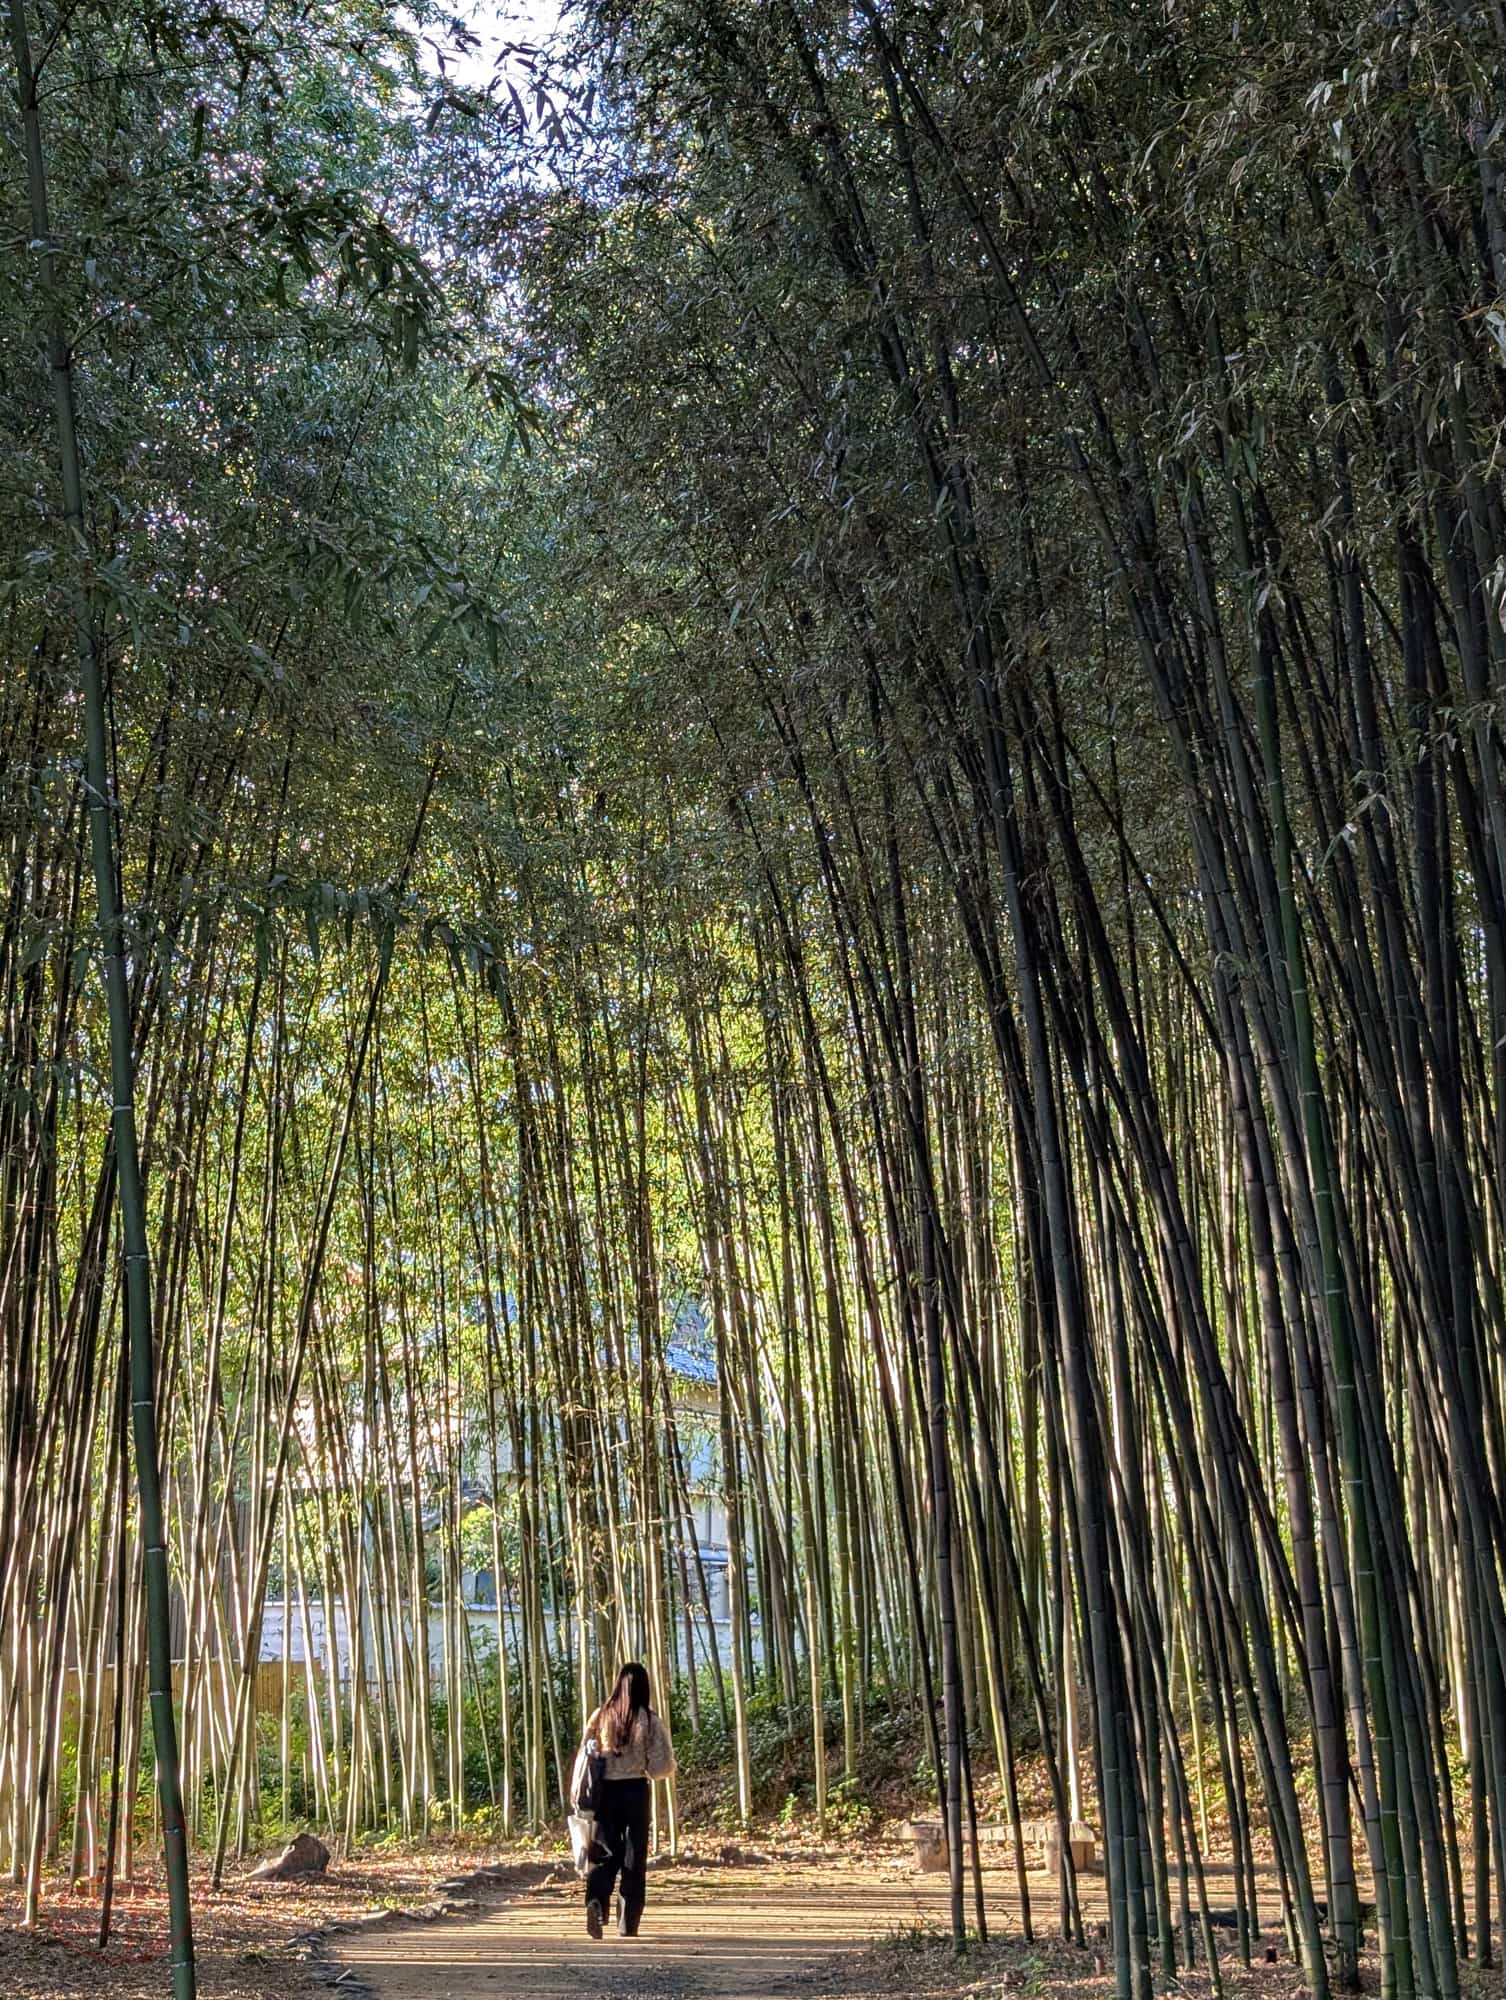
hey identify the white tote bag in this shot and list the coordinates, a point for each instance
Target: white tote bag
(582, 1839)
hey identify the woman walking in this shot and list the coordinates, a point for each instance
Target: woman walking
(635, 1743)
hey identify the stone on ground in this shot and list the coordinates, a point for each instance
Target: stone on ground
(303, 1855)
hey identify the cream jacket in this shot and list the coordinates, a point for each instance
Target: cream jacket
(648, 1752)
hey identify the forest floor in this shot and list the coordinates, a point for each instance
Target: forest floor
(723, 1923)
(252, 1939)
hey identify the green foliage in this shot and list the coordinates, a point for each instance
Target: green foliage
(848, 1813)
(779, 1740)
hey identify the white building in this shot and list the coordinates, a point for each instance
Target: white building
(291, 1630)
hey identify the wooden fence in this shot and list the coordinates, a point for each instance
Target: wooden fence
(266, 1693)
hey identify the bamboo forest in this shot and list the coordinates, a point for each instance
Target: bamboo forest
(753, 917)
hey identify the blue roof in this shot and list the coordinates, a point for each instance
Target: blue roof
(696, 1363)
(690, 1351)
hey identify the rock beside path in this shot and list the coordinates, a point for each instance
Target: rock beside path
(303, 1855)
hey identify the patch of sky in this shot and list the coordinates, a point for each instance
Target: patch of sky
(489, 39)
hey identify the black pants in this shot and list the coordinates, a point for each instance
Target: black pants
(622, 1838)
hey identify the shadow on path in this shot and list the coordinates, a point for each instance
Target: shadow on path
(734, 1933)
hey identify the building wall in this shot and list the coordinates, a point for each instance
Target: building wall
(331, 1637)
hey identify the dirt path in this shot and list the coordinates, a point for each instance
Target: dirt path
(730, 1932)
(763, 1928)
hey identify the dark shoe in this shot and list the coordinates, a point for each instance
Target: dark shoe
(593, 1919)
(624, 1928)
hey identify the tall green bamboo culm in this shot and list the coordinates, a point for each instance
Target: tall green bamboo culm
(99, 806)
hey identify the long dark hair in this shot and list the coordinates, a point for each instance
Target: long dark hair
(631, 1697)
